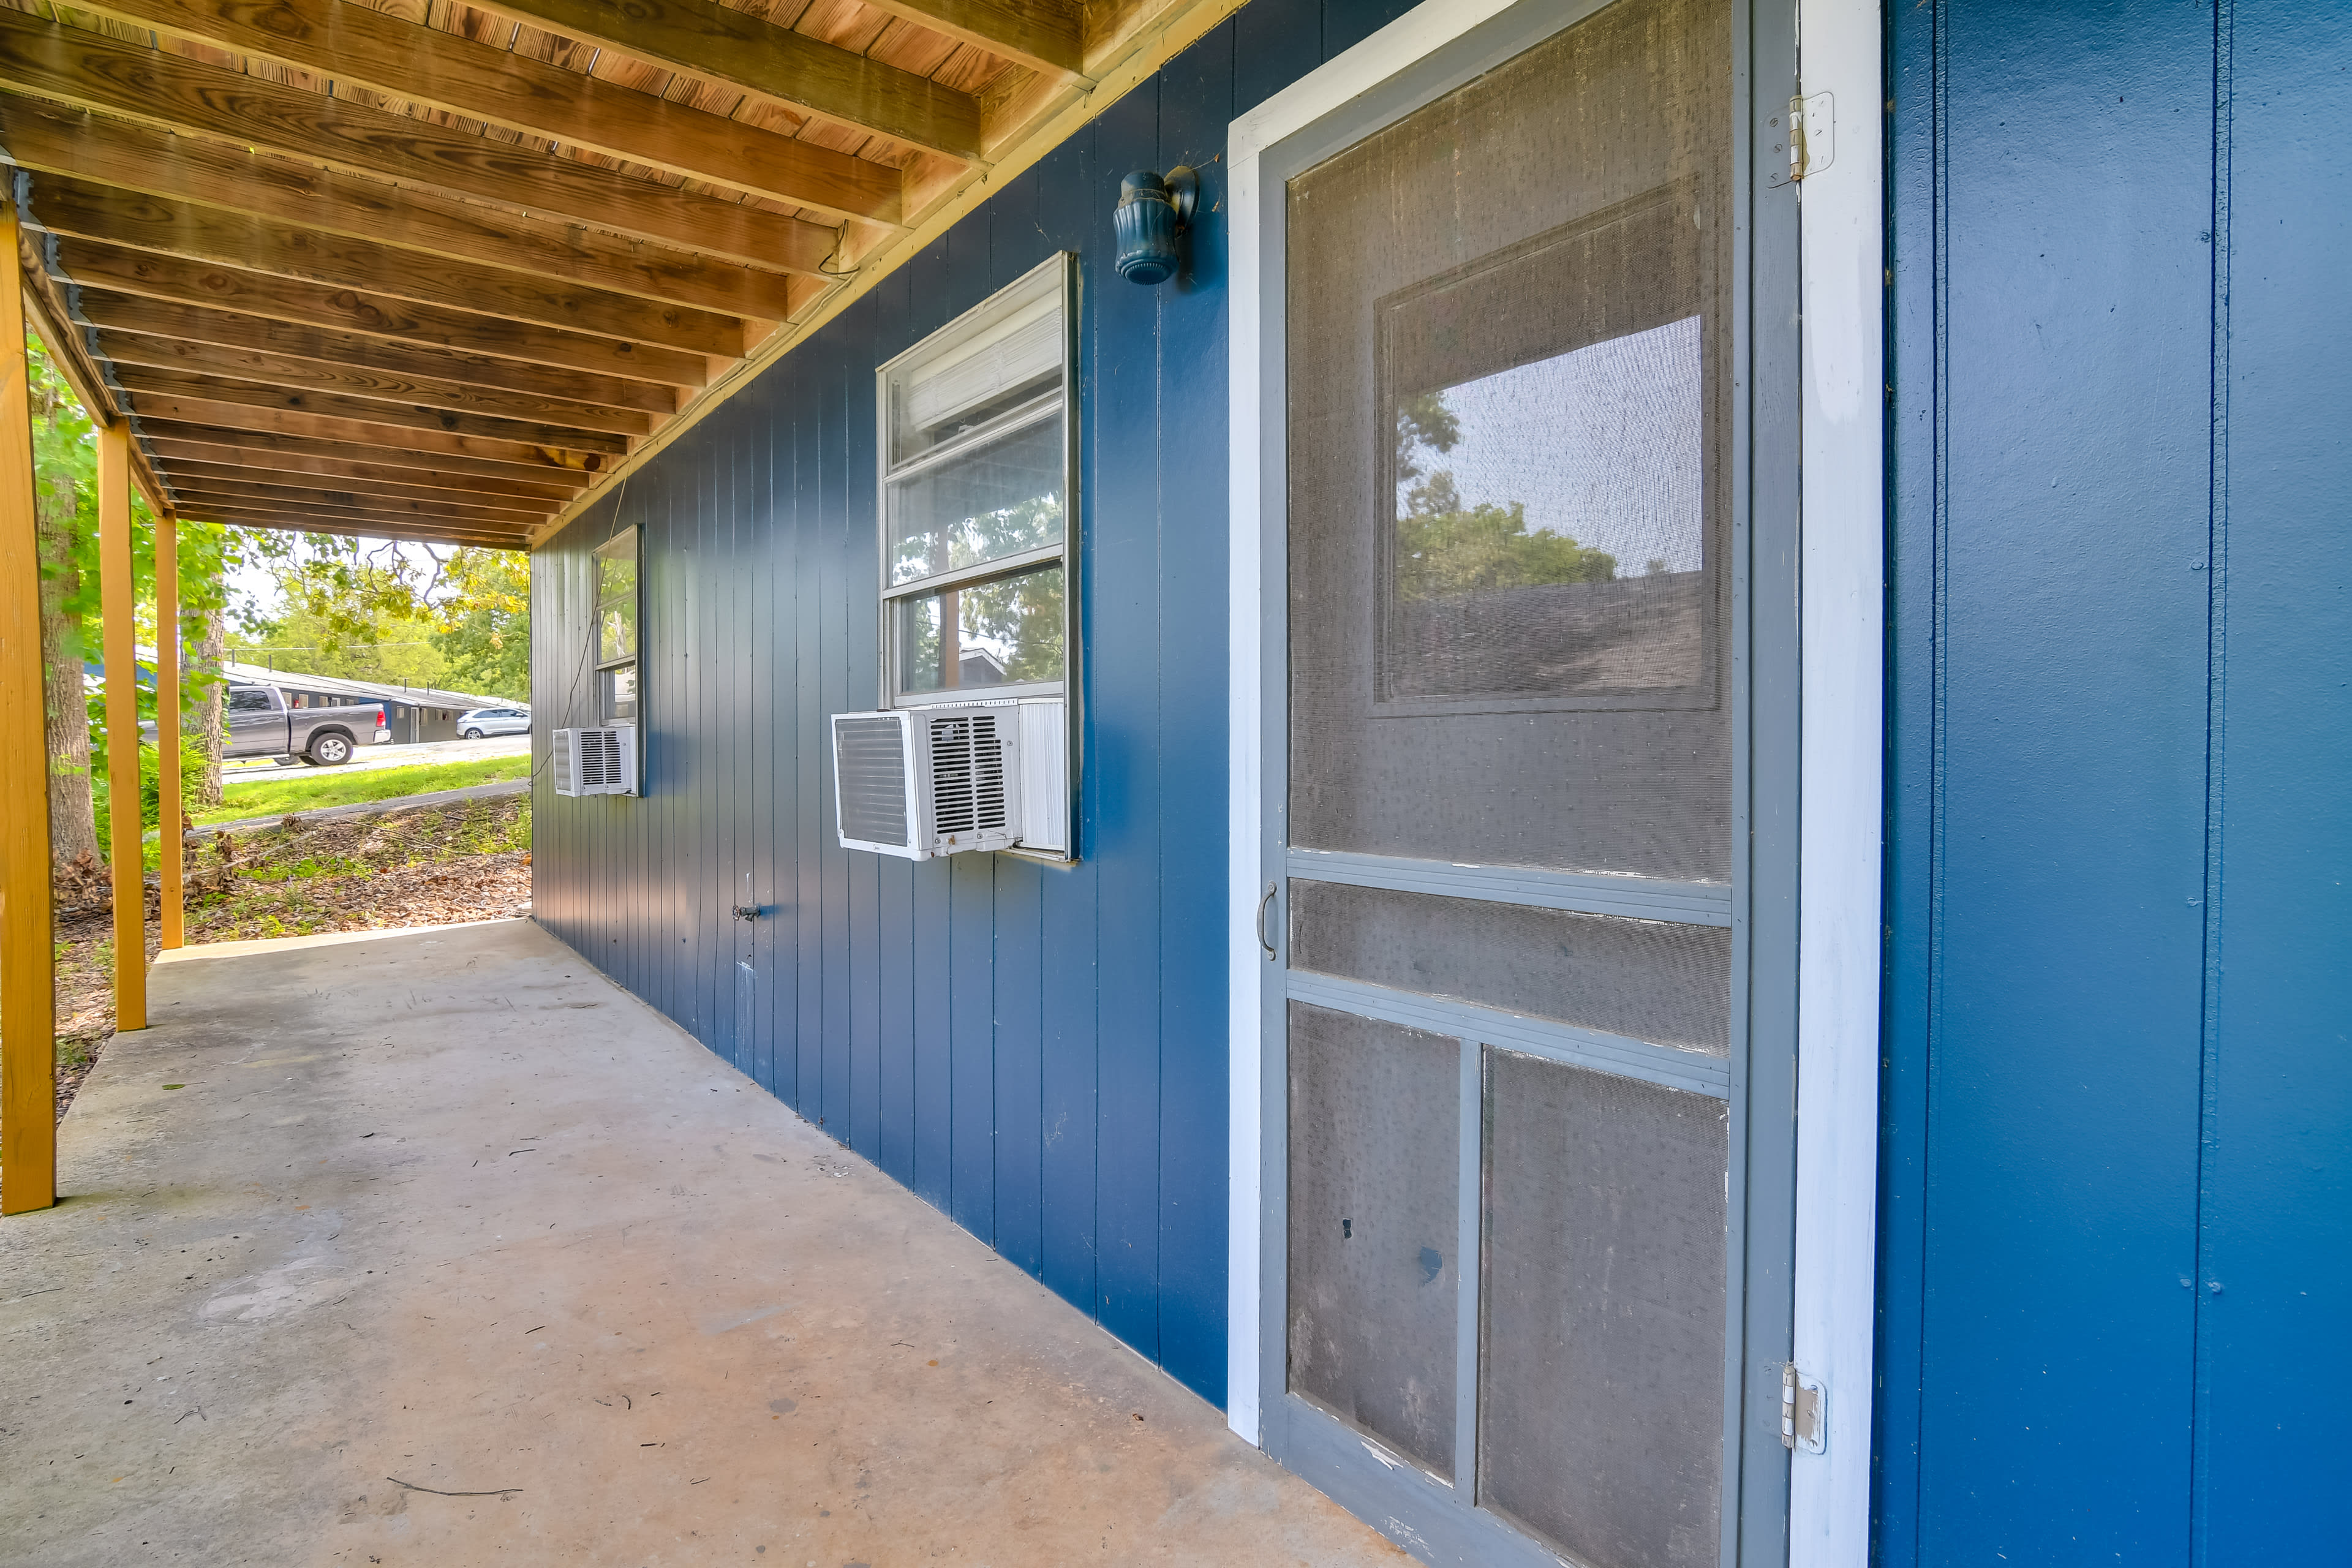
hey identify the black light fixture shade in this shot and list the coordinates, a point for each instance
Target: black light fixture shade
(1152, 211)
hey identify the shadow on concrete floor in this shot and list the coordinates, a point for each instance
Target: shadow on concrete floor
(446, 1251)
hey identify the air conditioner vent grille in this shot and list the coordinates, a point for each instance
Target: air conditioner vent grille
(594, 761)
(870, 756)
(600, 759)
(968, 792)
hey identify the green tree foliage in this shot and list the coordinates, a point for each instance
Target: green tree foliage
(65, 463)
(1442, 548)
(365, 641)
(485, 624)
(378, 612)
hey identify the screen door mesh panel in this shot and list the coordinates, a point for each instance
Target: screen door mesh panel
(1508, 348)
(1601, 1396)
(1375, 1146)
(1649, 979)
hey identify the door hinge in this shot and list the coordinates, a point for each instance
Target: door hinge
(1812, 134)
(1804, 1411)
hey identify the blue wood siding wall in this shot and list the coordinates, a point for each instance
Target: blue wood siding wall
(2117, 1204)
(1039, 1052)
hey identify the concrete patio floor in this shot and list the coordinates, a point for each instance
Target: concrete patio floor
(450, 1251)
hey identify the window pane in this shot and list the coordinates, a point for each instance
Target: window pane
(995, 634)
(620, 694)
(1010, 354)
(617, 630)
(1550, 525)
(997, 499)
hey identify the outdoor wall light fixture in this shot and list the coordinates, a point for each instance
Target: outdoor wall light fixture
(1152, 211)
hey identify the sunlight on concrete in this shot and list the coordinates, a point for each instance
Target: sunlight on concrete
(436, 1247)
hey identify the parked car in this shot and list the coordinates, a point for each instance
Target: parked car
(475, 724)
(261, 724)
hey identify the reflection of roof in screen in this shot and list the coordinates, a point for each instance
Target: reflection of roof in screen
(1602, 443)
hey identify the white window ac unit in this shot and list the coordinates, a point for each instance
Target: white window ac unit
(941, 780)
(595, 762)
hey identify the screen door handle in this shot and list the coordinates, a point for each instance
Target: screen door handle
(1264, 940)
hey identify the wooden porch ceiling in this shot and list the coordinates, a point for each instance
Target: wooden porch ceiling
(430, 270)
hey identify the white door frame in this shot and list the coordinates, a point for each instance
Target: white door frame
(1841, 811)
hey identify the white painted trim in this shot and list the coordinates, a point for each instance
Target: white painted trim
(1841, 813)
(1245, 1134)
(1334, 84)
(1340, 81)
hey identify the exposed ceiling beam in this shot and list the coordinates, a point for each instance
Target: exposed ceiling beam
(417, 392)
(353, 503)
(69, 351)
(169, 278)
(222, 478)
(401, 60)
(298, 522)
(1128, 43)
(90, 70)
(704, 39)
(290, 467)
(63, 204)
(374, 357)
(138, 379)
(48, 139)
(1040, 34)
(403, 445)
(211, 442)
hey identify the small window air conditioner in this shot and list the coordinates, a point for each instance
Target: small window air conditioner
(595, 762)
(941, 780)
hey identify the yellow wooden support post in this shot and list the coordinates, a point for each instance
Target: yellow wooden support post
(28, 1082)
(172, 854)
(118, 600)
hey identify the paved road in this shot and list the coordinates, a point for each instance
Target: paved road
(387, 757)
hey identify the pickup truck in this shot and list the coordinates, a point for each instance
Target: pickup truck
(261, 724)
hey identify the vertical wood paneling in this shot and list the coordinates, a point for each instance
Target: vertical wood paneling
(808, 548)
(1123, 647)
(1195, 106)
(949, 1018)
(972, 1043)
(839, 535)
(1019, 972)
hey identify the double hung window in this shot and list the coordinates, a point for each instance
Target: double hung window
(616, 628)
(977, 501)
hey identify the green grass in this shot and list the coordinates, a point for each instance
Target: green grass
(313, 789)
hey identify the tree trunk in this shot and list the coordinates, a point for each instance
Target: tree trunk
(73, 827)
(211, 651)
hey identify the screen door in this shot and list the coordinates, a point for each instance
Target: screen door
(1510, 866)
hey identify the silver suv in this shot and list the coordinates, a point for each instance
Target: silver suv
(481, 721)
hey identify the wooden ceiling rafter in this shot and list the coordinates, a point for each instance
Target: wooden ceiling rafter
(89, 70)
(288, 451)
(294, 376)
(138, 158)
(447, 71)
(357, 503)
(222, 477)
(348, 267)
(154, 277)
(159, 226)
(379, 357)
